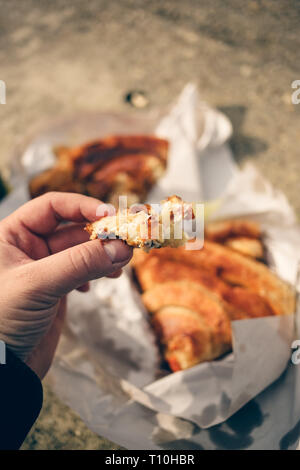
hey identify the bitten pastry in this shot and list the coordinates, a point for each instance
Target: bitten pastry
(147, 226)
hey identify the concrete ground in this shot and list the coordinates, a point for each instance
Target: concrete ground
(59, 57)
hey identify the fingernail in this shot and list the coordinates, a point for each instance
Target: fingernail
(117, 251)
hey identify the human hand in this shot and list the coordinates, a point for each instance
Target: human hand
(42, 260)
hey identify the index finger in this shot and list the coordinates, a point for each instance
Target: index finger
(43, 214)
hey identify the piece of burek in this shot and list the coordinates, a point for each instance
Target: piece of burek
(147, 226)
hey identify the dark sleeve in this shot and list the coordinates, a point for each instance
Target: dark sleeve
(21, 398)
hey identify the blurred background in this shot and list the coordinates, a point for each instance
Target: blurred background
(62, 57)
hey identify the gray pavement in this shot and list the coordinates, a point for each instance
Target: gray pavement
(59, 57)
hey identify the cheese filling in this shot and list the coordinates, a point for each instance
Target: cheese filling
(153, 227)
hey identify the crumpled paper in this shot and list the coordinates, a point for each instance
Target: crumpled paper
(107, 366)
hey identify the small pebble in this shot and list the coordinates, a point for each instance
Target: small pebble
(137, 99)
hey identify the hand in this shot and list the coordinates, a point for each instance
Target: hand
(42, 260)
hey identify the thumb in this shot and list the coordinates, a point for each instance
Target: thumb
(62, 272)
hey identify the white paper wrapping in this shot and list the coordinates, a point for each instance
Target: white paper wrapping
(107, 366)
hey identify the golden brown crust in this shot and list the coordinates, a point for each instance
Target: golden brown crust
(130, 174)
(246, 246)
(116, 165)
(252, 304)
(90, 229)
(197, 299)
(53, 180)
(237, 270)
(186, 337)
(256, 277)
(216, 285)
(155, 271)
(220, 230)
